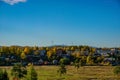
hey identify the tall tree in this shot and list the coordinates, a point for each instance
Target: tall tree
(27, 50)
(23, 55)
(18, 71)
(62, 69)
(31, 74)
(1, 74)
(5, 75)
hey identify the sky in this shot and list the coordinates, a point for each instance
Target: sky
(60, 22)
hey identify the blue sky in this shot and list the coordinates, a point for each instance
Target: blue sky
(47, 22)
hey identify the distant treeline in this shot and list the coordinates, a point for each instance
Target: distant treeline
(54, 55)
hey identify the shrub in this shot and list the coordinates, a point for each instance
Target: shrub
(117, 70)
(64, 61)
(62, 69)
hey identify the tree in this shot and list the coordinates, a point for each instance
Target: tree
(64, 61)
(62, 69)
(31, 74)
(36, 52)
(18, 51)
(50, 54)
(13, 49)
(18, 71)
(5, 75)
(72, 48)
(89, 60)
(78, 63)
(23, 55)
(1, 74)
(5, 50)
(35, 48)
(117, 70)
(27, 50)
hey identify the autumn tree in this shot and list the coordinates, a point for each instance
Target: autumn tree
(19, 51)
(72, 48)
(23, 55)
(50, 54)
(36, 52)
(35, 48)
(27, 50)
(4, 50)
(89, 60)
(13, 49)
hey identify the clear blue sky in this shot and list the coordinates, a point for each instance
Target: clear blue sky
(41, 22)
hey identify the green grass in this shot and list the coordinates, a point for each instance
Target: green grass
(83, 73)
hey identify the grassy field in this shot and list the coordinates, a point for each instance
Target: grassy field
(83, 73)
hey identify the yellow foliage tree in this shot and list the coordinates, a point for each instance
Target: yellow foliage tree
(50, 53)
(26, 50)
(78, 55)
(23, 56)
(72, 48)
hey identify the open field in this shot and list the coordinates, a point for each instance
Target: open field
(83, 73)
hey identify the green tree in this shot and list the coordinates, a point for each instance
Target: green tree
(18, 71)
(62, 69)
(117, 70)
(77, 64)
(1, 74)
(31, 74)
(64, 61)
(5, 75)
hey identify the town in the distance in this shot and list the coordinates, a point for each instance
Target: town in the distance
(54, 55)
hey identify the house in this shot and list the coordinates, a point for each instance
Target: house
(69, 52)
(43, 52)
(97, 55)
(109, 59)
(59, 52)
(55, 62)
(41, 61)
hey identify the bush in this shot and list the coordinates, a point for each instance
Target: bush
(62, 69)
(117, 70)
(64, 61)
